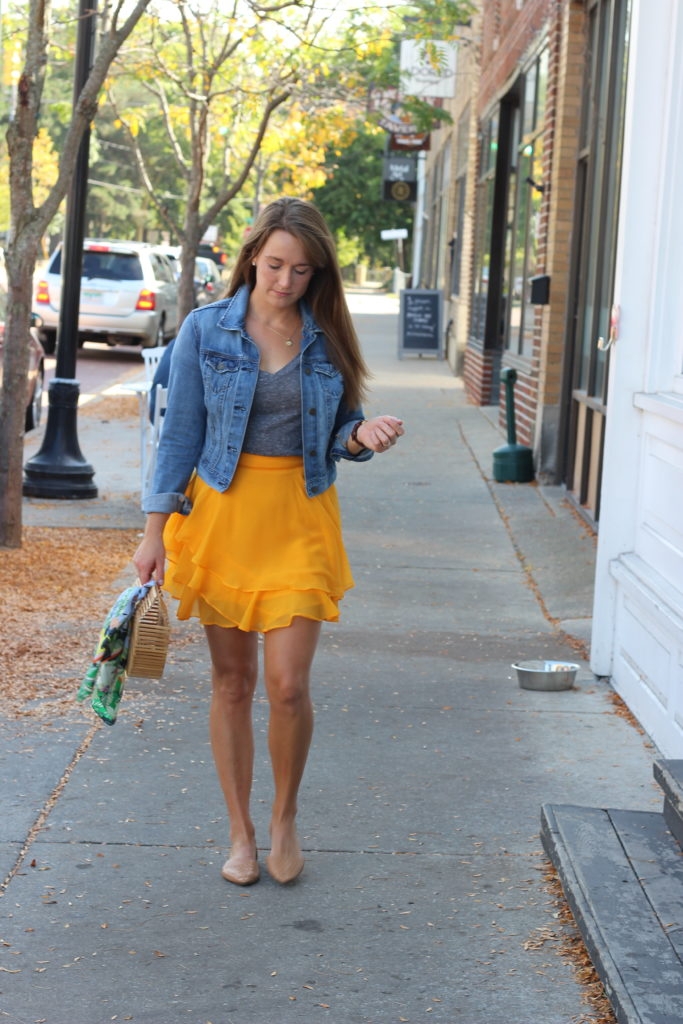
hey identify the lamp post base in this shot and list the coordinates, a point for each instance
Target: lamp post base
(59, 469)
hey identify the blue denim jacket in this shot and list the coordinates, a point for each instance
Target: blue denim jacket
(214, 369)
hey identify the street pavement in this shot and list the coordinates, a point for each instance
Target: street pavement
(424, 896)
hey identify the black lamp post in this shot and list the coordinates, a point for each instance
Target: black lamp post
(59, 469)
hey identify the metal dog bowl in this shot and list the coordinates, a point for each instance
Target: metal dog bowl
(546, 675)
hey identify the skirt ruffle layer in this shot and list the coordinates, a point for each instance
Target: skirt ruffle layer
(259, 554)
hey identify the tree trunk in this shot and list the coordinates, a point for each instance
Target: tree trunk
(28, 223)
(20, 258)
(21, 262)
(186, 296)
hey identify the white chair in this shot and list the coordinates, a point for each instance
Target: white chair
(151, 437)
(152, 358)
(148, 440)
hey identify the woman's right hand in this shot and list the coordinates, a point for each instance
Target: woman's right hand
(150, 557)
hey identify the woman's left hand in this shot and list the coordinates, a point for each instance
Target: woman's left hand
(380, 433)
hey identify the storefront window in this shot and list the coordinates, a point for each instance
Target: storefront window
(529, 105)
(434, 236)
(541, 89)
(483, 240)
(525, 194)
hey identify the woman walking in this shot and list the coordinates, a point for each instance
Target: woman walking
(243, 524)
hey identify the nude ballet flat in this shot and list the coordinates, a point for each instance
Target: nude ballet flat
(286, 876)
(241, 873)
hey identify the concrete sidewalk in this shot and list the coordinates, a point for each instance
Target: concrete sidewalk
(423, 897)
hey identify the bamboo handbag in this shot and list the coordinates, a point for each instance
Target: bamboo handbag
(149, 638)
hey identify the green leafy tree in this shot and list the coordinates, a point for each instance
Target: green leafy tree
(351, 198)
(240, 104)
(117, 204)
(209, 82)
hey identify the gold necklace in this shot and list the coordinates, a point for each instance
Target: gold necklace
(287, 338)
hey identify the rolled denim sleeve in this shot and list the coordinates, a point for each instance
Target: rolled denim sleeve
(182, 436)
(345, 422)
(174, 501)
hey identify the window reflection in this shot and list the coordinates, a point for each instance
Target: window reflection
(525, 197)
(484, 226)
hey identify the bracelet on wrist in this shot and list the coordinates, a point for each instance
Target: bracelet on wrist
(354, 433)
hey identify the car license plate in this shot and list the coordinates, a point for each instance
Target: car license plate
(91, 295)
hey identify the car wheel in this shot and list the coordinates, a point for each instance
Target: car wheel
(49, 341)
(161, 331)
(34, 409)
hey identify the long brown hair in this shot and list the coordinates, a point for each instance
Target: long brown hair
(325, 292)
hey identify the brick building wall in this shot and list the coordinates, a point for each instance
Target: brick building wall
(461, 306)
(478, 375)
(538, 392)
(504, 40)
(512, 31)
(442, 221)
(507, 33)
(464, 112)
(569, 39)
(520, 31)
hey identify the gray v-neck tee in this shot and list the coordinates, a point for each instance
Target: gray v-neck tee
(274, 425)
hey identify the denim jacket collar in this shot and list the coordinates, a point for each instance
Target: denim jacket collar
(236, 313)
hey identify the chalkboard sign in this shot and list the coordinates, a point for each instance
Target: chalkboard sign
(420, 318)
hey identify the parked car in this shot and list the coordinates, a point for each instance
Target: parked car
(213, 252)
(173, 254)
(208, 282)
(36, 366)
(129, 295)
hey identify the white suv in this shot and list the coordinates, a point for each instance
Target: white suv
(129, 295)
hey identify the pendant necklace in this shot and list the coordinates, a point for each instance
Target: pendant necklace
(288, 340)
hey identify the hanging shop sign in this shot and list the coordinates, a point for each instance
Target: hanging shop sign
(400, 178)
(428, 68)
(400, 168)
(400, 191)
(410, 143)
(387, 103)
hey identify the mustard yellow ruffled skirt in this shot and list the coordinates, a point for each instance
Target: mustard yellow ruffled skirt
(259, 554)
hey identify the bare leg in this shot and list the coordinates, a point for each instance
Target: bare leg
(234, 659)
(289, 655)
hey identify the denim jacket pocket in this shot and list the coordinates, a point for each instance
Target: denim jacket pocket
(331, 383)
(219, 372)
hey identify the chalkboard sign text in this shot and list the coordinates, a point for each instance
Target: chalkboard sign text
(420, 319)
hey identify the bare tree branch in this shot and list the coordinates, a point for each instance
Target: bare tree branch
(86, 108)
(227, 194)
